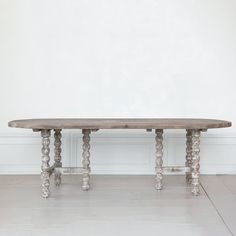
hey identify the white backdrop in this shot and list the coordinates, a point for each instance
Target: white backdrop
(103, 58)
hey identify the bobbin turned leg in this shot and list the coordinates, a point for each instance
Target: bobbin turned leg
(159, 161)
(86, 161)
(195, 162)
(57, 157)
(45, 174)
(188, 162)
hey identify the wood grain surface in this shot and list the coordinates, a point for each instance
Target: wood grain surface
(119, 123)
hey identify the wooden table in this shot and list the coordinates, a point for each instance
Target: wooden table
(194, 127)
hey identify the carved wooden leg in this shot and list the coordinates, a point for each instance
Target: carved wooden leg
(45, 175)
(86, 161)
(57, 157)
(188, 162)
(159, 162)
(195, 162)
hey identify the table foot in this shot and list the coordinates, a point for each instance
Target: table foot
(57, 157)
(159, 161)
(45, 167)
(188, 162)
(86, 161)
(195, 165)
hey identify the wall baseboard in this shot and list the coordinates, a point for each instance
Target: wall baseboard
(129, 153)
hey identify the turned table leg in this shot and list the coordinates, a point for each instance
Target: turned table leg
(45, 174)
(188, 162)
(86, 161)
(57, 157)
(195, 165)
(159, 161)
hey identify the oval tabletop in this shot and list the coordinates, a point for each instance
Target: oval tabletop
(119, 123)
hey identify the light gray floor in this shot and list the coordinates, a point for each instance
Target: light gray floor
(118, 205)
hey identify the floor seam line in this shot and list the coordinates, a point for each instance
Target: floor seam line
(217, 211)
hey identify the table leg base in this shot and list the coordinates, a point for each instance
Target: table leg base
(85, 187)
(57, 178)
(159, 186)
(195, 191)
(45, 184)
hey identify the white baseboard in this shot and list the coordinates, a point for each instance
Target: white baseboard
(117, 152)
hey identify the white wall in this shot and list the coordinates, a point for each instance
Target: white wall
(103, 58)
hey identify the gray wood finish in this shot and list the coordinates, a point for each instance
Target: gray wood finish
(188, 162)
(159, 161)
(193, 127)
(57, 156)
(86, 160)
(195, 163)
(45, 167)
(38, 124)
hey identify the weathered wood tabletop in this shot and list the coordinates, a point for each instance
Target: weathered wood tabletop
(119, 123)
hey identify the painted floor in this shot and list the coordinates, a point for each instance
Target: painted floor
(118, 205)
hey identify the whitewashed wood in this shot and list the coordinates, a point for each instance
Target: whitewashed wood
(159, 161)
(195, 164)
(165, 169)
(86, 160)
(45, 175)
(57, 156)
(188, 162)
(70, 170)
